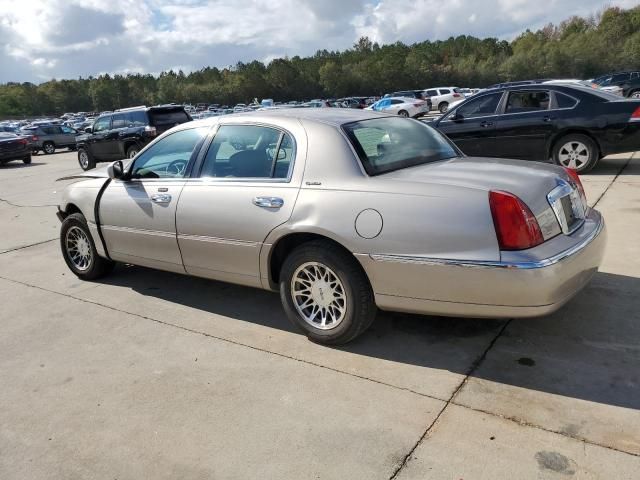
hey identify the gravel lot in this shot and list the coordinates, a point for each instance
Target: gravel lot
(154, 375)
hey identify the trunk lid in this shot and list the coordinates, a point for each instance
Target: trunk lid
(530, 181)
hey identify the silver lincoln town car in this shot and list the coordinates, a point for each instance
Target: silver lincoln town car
(343, 211)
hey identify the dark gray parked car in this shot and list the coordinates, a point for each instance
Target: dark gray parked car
(48, 138)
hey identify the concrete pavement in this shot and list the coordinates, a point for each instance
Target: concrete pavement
(154, 375)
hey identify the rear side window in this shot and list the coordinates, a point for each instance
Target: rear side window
(395, 101)
(432, 93)
(168, 117)
(519, 102)
(138, 118)
(565, 101)
(391, 143)
(444, 91)
(248, 151)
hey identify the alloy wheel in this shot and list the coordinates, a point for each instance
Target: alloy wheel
(49, 148)
(574, 155)
(84, 160)
(132, 153)
(318, 295)
(635, 94)
(78, 248)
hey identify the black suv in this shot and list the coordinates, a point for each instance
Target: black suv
(123, 133)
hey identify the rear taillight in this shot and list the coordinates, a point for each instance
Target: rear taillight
(635, 116)
(151, 131)
(456, 95)
(576, 179)
(516, 227)
(23, 141)
(34, 138)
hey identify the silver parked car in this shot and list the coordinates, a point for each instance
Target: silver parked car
(342, 211)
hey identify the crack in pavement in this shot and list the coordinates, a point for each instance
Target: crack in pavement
(451, 401)
(27, 246)
(614, 179)
(472, 369)
(25, 206)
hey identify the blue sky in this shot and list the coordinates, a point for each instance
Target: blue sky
(44, 39)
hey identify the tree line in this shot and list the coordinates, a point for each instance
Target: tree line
(576, 48)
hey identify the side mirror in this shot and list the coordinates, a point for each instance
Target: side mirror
(88, 129)
(282, 154)
(115, 170)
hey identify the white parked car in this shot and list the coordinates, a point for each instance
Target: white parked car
(403, 106)
(442, 97)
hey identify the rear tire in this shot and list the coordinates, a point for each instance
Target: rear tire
(403, 113)
(576, 151)
(86, 161)
(79, 251)
(325, 293)
(443, 107)
(26, 160)
(48, 148)
(635, 94)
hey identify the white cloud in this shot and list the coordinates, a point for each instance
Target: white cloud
(68, 38)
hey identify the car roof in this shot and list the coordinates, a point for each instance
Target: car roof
(329, 116)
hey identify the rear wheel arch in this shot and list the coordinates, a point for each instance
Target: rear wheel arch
(287, 244)
(572, 131)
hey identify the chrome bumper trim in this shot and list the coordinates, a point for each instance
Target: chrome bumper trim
(418, 260)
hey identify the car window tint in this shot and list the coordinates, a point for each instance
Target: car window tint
(444, 91)
(102, 124)
(167, 117)
(67, 130)
(247, 151)
(565, 101)
(519, 102)
(432, 93)
(479, 107)
(118, 121)
(137, 119)
(396, 102)
(387, 144)
(620, 77)
(169, 157)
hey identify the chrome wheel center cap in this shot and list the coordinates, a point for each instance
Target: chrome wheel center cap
(83, 247)
(322, 293)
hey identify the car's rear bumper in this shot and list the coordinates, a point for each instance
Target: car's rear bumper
(522, 284)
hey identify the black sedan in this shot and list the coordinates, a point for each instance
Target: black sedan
(14, 147)
(572, 125)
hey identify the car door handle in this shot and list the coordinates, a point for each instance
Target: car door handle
(268, 202)
(548, 119)
(160, 198)
(486, 124)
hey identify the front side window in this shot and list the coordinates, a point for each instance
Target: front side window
(248, 151)
(102, 124)
(170, 156)
(67, 130)
(478, 107)
(519, 102)
(387, 144)
(432, 93)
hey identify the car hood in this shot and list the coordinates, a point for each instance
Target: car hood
(531, 181)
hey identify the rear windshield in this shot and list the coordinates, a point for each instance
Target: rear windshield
(168, 117)
(392, 143)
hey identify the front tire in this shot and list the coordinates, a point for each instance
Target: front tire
(326, 294)
(79, 251)
(48, 148)
(132, 151)
(635, 95)
(577, 152)
(403, 113)
(26, 160)
(86, 161)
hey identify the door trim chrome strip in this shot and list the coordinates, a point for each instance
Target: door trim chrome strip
(225, 241)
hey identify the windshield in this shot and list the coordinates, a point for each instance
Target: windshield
(392, 143)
